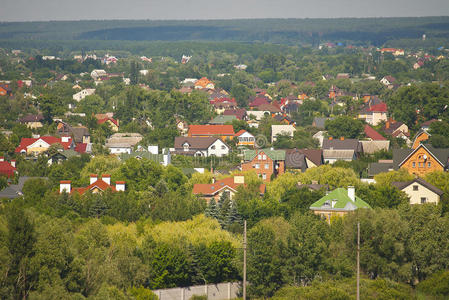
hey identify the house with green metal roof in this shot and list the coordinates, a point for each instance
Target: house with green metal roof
(222, 119)
(339, 202)
(265, 162)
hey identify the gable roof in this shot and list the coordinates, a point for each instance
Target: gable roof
(373, 134)
(31, 118)
(6, 168)
(211, 130)
(403, 185)
(268, 107)
(194, 142)
(258, 101)
(273, 154)
(346, 144)
(239, 113)
(15, 190)
(100, 184)
(296, 158)
(25, 142)
(242, 131)
(440, 155)
(377, 167)
(320, 121)
(211, 189)
(221, 119)
(344, 203)
(104, 120)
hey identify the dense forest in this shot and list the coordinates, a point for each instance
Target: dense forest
(366, 31)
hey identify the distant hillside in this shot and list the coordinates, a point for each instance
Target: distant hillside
(374, 31)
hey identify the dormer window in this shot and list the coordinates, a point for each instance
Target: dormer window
(186, 147)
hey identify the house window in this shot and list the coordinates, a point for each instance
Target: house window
(415, 187)
(213, 147)
(223, 147)
(413, 164)
(423, 200)
(257, 166)
(264, 176)
(264, 157)
(267, 166)
(429, 164)
(259, 157)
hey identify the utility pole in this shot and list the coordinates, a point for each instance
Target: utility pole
(244, 260)
(358, 260)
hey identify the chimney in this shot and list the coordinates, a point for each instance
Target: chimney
(2, 158)
(387, 125)
(342, 138)
(93, 178)
(351, 193)
(106, 178)
(65, 186)
(120, 186)
(13, 163)
(239, 179)
(330, 138)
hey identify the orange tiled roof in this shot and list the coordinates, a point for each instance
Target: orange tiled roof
(100, 184)
(213, 188)
(211, 130)
(203, 82)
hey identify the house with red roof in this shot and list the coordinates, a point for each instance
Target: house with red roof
(5, 90)
(222, 104)
(239, 113)
(374, 112)
(216, 189)
(222, 131)
(35, 146)
(7, 168)
(372, 134)
(96, 185)
(256, 102)
(113, 123)
(245, 138)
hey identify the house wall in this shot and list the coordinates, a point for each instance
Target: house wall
(379, 117)
(218, 151)
(120, 150)
(328, 215)
(34, 125)
(38, 147)
(422, 192)
(421, 166)
(424, 136)
(246, 139)
(266, 166)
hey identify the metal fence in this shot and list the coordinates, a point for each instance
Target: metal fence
(221, 291)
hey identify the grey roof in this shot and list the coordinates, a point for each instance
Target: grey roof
(338, 154)
(15, 190)
(376, 168)
(318, 122)
(159, 158)
(313, 186)
(295, 160)
(78, 133)
(123, 140)
(403, 185)
(222, 119)
(201, 143)
(346, 144)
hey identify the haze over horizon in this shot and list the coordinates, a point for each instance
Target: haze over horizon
(50, 10)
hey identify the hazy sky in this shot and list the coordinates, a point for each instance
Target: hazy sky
(41, 10)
